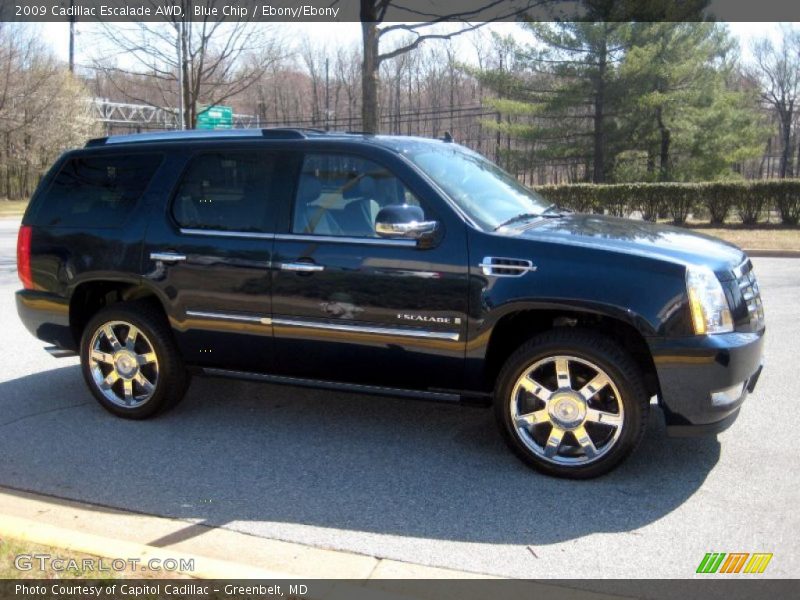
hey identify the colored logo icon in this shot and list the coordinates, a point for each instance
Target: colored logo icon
(734, 562)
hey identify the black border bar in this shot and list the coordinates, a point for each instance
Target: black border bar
(397, 10)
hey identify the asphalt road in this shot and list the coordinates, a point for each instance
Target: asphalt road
(410, 480)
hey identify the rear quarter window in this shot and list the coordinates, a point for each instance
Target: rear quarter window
(235, 190)
(96, 191)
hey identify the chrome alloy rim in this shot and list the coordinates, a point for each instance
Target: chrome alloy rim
(123, 364)
(567, 410)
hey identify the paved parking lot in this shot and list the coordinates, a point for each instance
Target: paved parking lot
(410, 480)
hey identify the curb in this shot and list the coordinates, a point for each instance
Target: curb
(396, 581)
(95, 545)
(216, 552)
(55, 522)
(65, 539)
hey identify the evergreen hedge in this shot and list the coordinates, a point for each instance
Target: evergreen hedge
(714, 201)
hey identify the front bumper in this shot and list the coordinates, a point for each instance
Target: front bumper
(705, 379)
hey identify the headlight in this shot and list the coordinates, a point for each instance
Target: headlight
(707, 302)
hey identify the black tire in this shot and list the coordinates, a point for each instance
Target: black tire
(154, 337)
(589, 349)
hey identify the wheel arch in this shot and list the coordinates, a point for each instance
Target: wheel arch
(92, 295)
(515, 325)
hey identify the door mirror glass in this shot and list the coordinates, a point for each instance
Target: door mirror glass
(404, 221)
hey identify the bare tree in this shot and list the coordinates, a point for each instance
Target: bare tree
(348, 77)
(373, 13)
(43, 110)
(191, 62)
(777, 68)
(315, 59)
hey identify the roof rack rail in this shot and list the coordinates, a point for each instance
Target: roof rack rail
(300, 129)
(274, 133)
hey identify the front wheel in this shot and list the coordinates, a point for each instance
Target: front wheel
(130, 362)
(571, 403)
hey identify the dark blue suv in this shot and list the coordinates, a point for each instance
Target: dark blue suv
(393, 265)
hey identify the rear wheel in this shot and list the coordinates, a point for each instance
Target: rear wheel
(130, 362)
(571, 403)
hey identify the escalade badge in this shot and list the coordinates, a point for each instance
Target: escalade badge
(428, 319)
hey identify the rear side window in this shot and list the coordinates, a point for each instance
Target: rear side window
(228, 191)
(96, 191)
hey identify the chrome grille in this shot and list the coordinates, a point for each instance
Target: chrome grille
(748, 286)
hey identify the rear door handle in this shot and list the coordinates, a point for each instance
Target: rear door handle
(167, 256)
(302, 267)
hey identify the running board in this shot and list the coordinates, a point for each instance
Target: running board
(334, 385)
(57, 352)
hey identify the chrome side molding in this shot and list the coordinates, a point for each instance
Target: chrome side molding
(365, 241)
(300, 237)
(250, 235)
(368, 329)
(205, 314)
(396, 331)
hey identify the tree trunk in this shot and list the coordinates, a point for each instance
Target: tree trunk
(664, 173)
(369, 67)
(798, 156)
(786, 144)
(599, 175)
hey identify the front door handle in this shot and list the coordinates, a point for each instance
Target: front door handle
(167, 256)
(302, 267)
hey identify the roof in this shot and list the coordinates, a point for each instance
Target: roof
(273, 133)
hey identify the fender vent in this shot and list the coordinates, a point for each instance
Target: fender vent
(506, 267)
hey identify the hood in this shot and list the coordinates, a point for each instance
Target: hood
(636, 237)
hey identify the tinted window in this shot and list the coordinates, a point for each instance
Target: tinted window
(227, 191)
(97, 191)
(341, 195)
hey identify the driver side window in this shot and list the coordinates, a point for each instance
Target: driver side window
(340, 195)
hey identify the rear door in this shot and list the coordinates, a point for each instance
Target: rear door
(351, 307)
(209, 254)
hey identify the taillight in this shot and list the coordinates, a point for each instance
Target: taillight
(24, 257)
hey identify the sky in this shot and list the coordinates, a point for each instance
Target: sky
(334, 34)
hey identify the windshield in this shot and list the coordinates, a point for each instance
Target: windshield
(489, 195)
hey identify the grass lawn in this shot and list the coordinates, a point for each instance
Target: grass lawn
(760, 238)
(10, 549)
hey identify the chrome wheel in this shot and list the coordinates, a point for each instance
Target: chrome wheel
(123, 364)
(567, 410)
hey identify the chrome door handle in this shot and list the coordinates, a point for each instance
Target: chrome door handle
(167, 256)
(302, 267)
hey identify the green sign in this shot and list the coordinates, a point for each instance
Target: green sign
(215, 117)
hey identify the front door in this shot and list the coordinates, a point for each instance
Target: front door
(351, 307)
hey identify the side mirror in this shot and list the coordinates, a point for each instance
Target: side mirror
(403, 221)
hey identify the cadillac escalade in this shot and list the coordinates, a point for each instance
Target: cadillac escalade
(386, 265)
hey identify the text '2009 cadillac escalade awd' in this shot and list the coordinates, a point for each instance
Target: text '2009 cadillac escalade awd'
(394, 265)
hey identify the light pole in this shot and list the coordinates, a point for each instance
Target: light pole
(72, 36)
(180, 75)
(327, 98)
